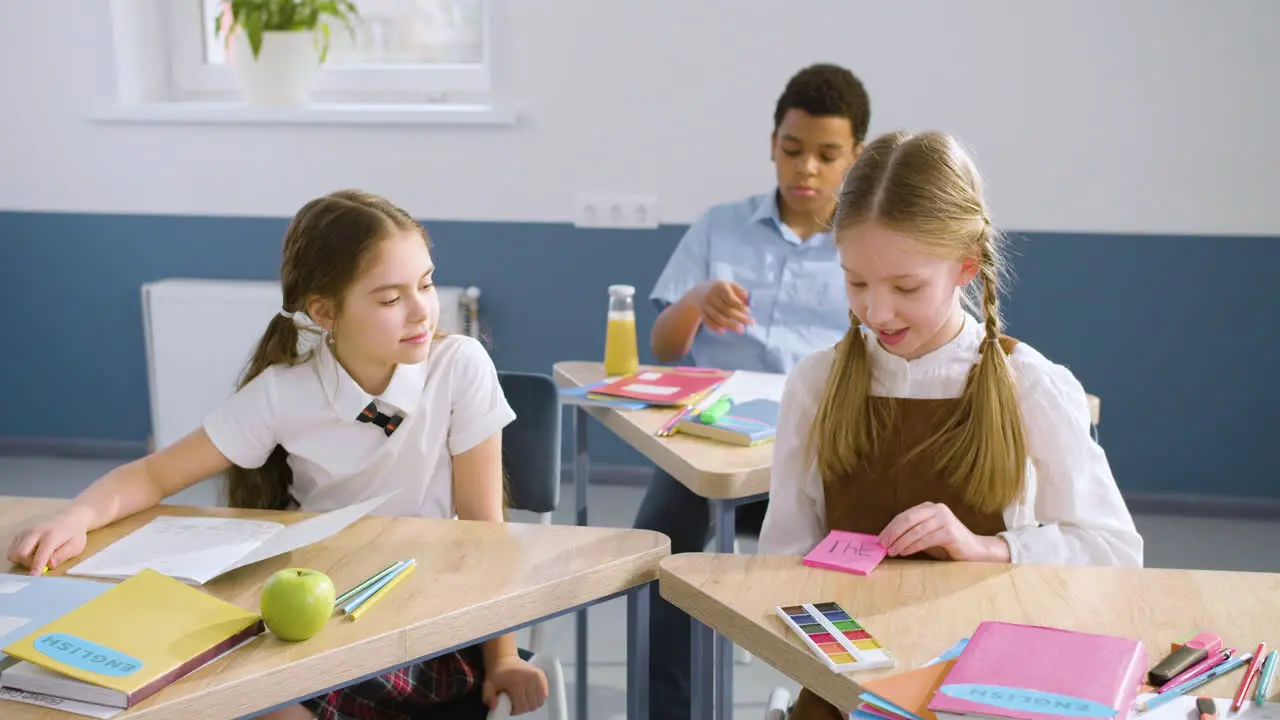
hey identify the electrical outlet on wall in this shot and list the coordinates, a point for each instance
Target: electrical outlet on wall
(616, 210)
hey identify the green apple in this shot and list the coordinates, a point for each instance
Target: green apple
(296, 603)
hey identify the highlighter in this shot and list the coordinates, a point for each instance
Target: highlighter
(1191, 652)
(717, 410)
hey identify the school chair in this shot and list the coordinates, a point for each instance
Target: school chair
(531, 463)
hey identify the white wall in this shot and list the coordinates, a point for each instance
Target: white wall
(1086, 115)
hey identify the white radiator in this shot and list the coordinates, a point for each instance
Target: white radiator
(199, 336)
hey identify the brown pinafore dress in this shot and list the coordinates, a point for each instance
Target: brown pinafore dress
(867, 500)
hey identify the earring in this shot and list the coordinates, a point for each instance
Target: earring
(328, 337)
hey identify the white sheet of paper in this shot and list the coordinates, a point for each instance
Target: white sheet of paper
(744, 385)
(1184, 708)
(12, 586)
(56, 703)
(9, 623)
(309, 531)
(196, 550)
(192, 549)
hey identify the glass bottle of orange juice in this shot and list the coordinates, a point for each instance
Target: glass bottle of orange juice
(620, 354)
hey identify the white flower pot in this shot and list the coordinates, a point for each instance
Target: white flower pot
(284, 71)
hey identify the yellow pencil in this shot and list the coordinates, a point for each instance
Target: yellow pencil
(355, 614)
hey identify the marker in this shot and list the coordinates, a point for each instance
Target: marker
(1194, 683)
(716, 411)
(1249, 675)
(1206, 665)
(1267, 676)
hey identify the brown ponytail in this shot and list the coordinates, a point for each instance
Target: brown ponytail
(266, 487)
(982, 448)
(847, 426)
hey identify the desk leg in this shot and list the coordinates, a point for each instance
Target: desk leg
(581, 471)
(638, 652)
(726, 530)
(703, 675)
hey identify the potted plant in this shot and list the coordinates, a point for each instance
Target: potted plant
(277, 46)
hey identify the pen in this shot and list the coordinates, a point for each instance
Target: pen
(1194, 683)
(669, 427)
(1267, 676)
(1249, 675)
(1207, 664)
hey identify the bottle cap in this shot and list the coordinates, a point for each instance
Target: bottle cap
(622, 289)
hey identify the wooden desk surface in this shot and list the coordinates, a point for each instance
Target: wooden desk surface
(474, 579)
(709, 468)
(918, 609)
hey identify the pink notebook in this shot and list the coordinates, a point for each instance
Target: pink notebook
(1027, 672)
(850, 552)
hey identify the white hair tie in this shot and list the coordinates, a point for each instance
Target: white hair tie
(309, 333)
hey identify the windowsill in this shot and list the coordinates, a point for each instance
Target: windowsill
(232, 113)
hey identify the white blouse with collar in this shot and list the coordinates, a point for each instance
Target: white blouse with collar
(1071, 511)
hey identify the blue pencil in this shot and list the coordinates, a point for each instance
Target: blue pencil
(1175, 692)
(358, 600)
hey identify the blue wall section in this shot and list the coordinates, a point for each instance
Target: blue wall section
(1174, 333)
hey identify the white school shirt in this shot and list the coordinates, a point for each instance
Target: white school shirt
(451, 402)
(1071, 512)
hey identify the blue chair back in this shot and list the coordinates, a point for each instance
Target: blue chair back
(531, 444)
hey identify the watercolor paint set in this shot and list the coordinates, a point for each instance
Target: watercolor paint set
(836, 637)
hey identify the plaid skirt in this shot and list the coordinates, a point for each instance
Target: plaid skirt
(442, 688)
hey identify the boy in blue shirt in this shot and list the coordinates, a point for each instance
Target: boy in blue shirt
(753, 285)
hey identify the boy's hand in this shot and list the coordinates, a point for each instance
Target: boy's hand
(723, 305)
(49, 543)
(525, 684)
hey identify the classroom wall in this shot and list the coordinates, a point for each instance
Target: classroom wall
(1114, 140)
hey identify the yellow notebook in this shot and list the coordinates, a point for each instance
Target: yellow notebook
(131, 641)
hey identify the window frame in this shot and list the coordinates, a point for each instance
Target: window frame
(191, 78)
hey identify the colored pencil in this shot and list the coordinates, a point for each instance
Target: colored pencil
(408, 569)
(368, 592)
(344, 597)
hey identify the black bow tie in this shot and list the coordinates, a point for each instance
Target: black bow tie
(388, 423)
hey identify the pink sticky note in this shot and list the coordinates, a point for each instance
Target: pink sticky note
(850, 552)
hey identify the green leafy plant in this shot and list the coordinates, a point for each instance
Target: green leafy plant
(255, 17)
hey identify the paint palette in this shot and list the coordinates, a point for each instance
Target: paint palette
(836, 637)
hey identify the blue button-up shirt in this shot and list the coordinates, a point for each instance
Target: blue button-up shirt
(795, 287)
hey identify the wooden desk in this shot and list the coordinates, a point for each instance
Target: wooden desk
(712, 470)
(918, 609)
(476, 580)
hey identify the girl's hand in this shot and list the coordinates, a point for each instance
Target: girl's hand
(48, 544)
(932, 528)
(523, 683)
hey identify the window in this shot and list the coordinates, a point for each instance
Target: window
(399, 51)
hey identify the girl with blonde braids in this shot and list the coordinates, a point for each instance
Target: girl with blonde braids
(924, 425)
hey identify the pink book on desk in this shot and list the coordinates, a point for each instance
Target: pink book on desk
(850, 552)
(1028, 672)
